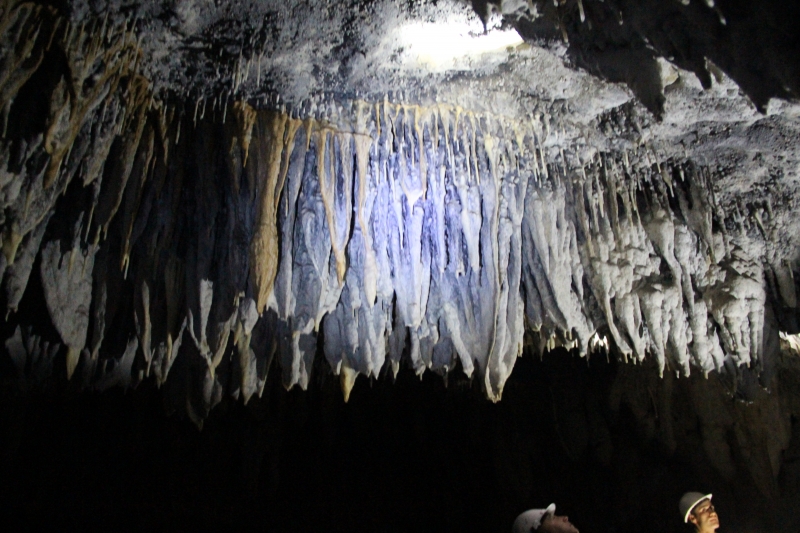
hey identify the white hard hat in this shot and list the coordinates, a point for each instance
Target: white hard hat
(531, 519)
(689, 501)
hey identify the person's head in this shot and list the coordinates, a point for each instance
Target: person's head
(697, 509)
(543, 521)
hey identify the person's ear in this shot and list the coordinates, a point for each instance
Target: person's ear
(693, 519)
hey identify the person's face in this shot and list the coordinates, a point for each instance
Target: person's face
(557, 524)
(704, 517)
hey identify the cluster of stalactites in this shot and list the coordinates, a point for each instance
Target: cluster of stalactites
(441, 234)
(85, 112)
(396, 233)
(393, 231)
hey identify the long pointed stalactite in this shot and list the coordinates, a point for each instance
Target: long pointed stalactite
(195, 245)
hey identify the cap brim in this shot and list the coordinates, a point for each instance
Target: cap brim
(550, 510)
(694, 504)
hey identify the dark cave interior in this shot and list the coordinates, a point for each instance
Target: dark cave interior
(414, 455)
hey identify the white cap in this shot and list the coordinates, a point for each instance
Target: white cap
(531, 519)
(689, 501)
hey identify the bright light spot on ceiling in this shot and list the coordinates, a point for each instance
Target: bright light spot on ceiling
(442, 46)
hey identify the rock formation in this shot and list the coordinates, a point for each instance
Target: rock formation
(234, 229)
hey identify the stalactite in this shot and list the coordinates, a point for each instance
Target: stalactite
(31, 355)
(245, 118)
(276, 143)
(67, 282)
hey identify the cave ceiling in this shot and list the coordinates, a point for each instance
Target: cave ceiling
(213, 189)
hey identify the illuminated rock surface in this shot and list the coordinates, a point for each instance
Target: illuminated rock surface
(199, 194)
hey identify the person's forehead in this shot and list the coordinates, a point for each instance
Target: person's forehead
(702, 504)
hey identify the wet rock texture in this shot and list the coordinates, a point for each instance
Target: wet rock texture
(200, 245)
